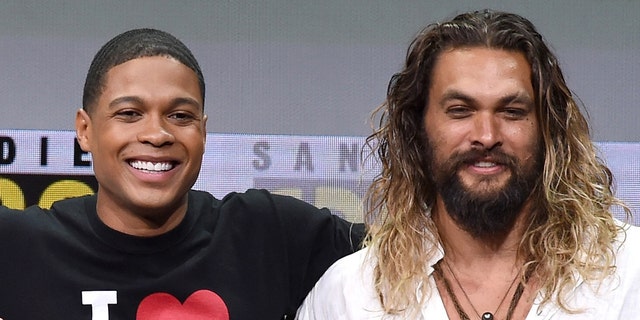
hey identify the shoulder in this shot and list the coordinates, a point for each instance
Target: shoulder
(628, 290)
(201, 200)
(631, 230)
(37, 222)
(263, 202)
(6, 212)
(8, 219)
(22, 224)
(74, 205)
(629, 245)
(253, 198)
(359, 263)
(256, 207)
(346, 290)
(627, 280)
(616, 296)
(8, 215)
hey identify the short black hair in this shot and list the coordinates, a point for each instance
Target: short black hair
(130, 45)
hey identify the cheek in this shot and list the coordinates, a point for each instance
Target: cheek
(532, 135)
(529, 144)
(448, 141)
(437, 151)
(195, 143)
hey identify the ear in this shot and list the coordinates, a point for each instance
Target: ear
(83, 132)
(204, 130)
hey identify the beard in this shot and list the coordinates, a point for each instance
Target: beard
(493, 210)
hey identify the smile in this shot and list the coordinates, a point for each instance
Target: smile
(152, 167)
(485, 164)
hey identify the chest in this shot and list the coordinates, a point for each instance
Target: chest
(196, 280)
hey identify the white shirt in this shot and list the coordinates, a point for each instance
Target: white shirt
(346, 291)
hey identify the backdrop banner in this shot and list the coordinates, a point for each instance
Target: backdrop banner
(38, 167)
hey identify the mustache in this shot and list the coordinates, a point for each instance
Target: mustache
(474, 155)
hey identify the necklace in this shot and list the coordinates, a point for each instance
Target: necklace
(487, 315)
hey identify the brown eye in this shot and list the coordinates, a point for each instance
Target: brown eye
(182, 117)
(515, 113)
(128, 115)
(458, 112)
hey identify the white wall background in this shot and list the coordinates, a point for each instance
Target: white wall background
(301, 67)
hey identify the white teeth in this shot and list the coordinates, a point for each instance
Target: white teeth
(150, 166)
(484, 164)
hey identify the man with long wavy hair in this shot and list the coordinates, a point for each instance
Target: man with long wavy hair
(492, 202)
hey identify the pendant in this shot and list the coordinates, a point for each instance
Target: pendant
(487, 316)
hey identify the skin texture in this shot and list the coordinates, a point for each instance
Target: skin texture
(482, 99)
(150, 112)
(484, 144)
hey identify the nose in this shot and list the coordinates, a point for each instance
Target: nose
(486, 132)
(155, 132)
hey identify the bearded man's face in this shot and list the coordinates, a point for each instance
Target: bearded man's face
(483, 141)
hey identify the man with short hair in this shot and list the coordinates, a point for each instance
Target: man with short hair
(146, 246)
(492, 202)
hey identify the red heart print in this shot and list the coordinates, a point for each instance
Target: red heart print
(200, 305)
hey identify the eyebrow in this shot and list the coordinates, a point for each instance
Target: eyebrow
(125, 99)
(136, 100)
(517, 97)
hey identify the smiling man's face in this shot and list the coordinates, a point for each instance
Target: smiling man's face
(483, 137)
(146, 135)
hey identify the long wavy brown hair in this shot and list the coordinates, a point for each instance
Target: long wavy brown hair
(570, 232)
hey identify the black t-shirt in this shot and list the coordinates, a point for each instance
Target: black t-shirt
(251, 255)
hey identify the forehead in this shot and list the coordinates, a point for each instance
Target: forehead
(481, 71)
(147, 67)
(151, 76)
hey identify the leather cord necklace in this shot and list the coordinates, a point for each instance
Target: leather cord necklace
(487, 315)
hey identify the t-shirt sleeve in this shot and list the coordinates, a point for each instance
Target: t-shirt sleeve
(9, 220)
(315, 240)
(18, 230)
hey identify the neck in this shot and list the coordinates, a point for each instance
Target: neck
(141, 222)
(485, 271)
(463, 248)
